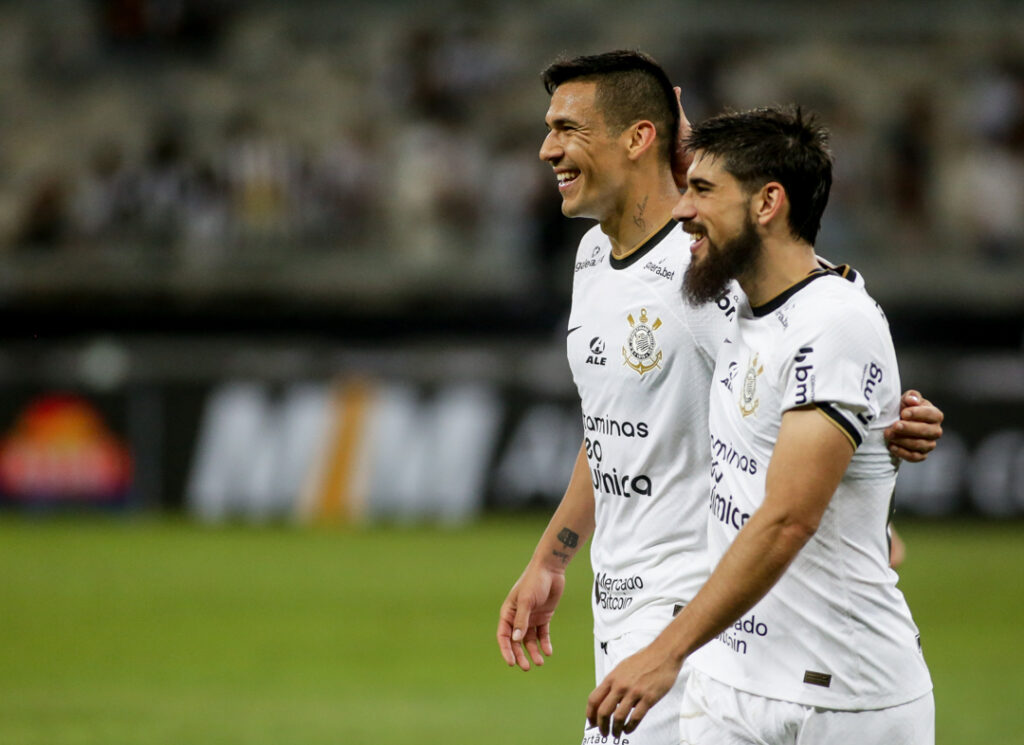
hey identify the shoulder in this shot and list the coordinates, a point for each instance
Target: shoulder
(593, 241)
(845, 271)
(834, 306)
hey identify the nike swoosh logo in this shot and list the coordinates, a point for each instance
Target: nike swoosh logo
(574, 328)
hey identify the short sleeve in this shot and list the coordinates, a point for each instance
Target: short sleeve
(842, 363)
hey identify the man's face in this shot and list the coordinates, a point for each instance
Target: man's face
(588, 161)
(715, 211)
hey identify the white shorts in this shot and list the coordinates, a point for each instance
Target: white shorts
(661, 724)
(713, 713)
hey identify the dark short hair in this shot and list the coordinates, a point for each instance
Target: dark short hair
(631, 87)
(774, 144)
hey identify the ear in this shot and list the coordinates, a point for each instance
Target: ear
(770, 204)
(639, 138)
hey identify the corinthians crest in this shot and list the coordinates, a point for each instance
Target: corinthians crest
(641, 350)
(748, 400)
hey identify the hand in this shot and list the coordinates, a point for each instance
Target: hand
(681, 157)
(525, 617)
(918, 430)
(629, 691)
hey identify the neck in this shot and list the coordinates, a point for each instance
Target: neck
(643, 211)
(781, 265)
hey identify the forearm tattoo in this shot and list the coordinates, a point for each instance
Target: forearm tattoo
(569, 539)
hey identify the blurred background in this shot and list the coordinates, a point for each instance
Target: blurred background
(300, 260)
(298, 264)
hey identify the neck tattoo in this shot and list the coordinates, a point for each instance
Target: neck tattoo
(638, 218)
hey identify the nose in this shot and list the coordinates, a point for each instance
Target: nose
(684, 209)
(550, 149)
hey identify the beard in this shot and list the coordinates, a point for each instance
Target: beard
(708, 279)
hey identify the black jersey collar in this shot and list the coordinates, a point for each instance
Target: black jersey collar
(779, 300)
(644, 248)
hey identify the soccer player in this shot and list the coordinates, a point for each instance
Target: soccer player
(642, 360)
(802, 634)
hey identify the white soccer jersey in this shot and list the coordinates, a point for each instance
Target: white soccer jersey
(642, 360)
(835, 631)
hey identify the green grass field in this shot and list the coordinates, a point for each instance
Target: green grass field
(163, 632)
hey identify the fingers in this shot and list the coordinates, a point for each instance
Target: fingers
(926, 430)
(615, 711)
(684, 123)
(637, 716)
(917, 445)
(522, 620)
(911, 398)
(912, 439)
(530, 642)
(914, 406)
(921, 437)
(521, 659)
(908, 455)
(505, 642)
(519, 647)
(681, 157)
(924, 413)
(504, 633)
(544, 632)
(594, 701)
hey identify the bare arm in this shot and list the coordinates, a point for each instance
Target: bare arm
(525, 617)
(809, 460)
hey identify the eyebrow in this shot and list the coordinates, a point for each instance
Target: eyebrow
(561, 122)
(700, 182)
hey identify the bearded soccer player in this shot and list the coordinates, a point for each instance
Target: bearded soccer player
(642, 360)
(799, 634)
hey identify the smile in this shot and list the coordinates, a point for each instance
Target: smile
(697, 239)
(566, 179)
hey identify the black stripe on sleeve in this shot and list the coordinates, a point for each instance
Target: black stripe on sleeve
(840, 421)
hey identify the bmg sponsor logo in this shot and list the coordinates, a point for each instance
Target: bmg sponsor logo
(804, 375)
(870, 380)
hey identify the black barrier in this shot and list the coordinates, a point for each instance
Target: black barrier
(365, 448)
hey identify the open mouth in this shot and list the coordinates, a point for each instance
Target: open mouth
(566, 179)
(697, 238)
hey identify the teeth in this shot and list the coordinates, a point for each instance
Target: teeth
(564, 178)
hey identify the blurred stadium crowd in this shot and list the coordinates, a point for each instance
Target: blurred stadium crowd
(217, 136)
(250, 249)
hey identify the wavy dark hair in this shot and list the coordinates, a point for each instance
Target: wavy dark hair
(783, 144)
